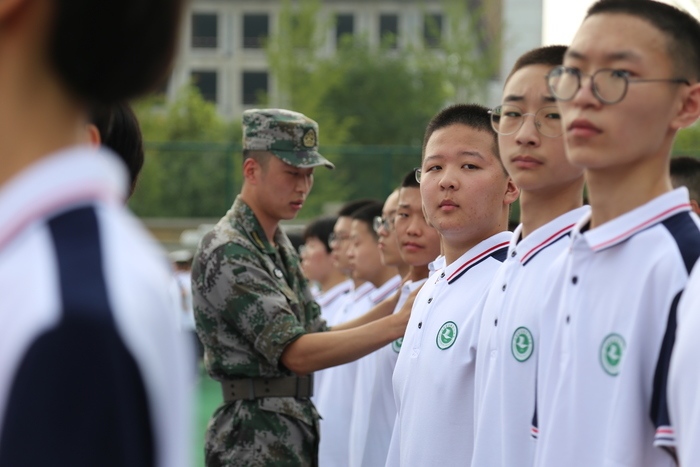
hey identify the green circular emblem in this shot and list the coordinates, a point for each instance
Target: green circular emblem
(611, 352)
(396, 345)
(523, 344)
(447, 335)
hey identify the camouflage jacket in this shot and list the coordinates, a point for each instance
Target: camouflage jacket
(251, 301)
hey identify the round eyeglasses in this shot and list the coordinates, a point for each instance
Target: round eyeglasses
(418, 172)
(335, 240)
(380, 222)
(608, 85)
(507, 119)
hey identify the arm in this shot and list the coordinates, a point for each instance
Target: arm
(316, 351)
(384, 308)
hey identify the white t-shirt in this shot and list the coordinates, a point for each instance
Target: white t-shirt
(684, 375)
(603, 389)
(335, 394)
(366, 370)
(90, 346)
(382, 409)
(506, 358)
(434, 375)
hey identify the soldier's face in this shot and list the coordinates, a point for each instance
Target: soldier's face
(284, 188)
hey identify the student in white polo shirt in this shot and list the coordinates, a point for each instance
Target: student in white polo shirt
(418, 244)
(551, 195)
(628, 84)
(466, 193)
(383, 229)
(93, 368)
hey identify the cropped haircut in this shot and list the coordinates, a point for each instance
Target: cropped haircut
(120, 131)
(551, 55)
(410, 181)
(367, 214)
(351, 206)
(320, 228)
(261, 157)
(474, 116)
(109, 51)
(685, 171)
(681, 30)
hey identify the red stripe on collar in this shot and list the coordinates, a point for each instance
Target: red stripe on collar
(546, 242)
(500, 245)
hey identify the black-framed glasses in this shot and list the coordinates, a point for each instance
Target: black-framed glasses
(418, 172)
(380, 222)
(335, 240)
(507, 119)
(608, 85)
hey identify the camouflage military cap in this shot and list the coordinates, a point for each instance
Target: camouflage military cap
(291, 136)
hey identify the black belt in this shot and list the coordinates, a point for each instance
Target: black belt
(253, 388)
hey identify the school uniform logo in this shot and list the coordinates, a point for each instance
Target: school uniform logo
(396, 345)
(446, 336)
(522, 344)
(611, 352)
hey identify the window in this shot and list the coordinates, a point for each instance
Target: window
(344, 25)
(204, 31)
(255, 31)
(432, 30)
(205, 81)
(254, 87)
(389, 30)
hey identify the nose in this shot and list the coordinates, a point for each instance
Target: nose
(584, 96)
(528, 134)
(305, 182)
(449, 179)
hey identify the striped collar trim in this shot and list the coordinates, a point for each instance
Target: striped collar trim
(479, 253)
(334, 293)
(362, 291)
(388, 288)
(631, 223)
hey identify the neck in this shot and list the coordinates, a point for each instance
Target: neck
(538, 208)
(419, 273)
(268, 224)
(614, 192)
(357, 283)
(382, 276)
(456, 244)
(334, 278)
(404, 270)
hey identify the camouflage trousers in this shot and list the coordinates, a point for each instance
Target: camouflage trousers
(242, 433)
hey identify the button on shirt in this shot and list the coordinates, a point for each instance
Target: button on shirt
(382, 411)
(366, 370)
(90, 347)
(506, 360)
(684, 377)
(434, 375)
(603, 400)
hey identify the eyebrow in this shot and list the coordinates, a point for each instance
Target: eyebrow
(404, 206)
(518, 98)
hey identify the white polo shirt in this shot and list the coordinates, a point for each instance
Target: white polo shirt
(603, 391)
(506, 358)
(364, 382)
(434, 375)
(382, 411)
(331, 301)
(335, 396)
(92, 362)
(684, 375)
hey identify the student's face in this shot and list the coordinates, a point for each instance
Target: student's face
(388, 247)
(283, 189)
(536, 162)
(463, 185)
(363, 252)
(340, 245)
(604, 136)
(418, 242)
(316, 261)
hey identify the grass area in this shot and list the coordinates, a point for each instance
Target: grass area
(208, 399)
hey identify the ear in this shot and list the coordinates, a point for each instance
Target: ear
(251, 170)
(93, 134)
(695, 207)
(512, 192)
(690, 108)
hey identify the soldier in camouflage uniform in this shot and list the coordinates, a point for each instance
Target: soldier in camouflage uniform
(255, 314)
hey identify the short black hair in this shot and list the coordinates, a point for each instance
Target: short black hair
(367, 213)
(685, 171)
(550, 55)
(681, 30)
(320, 228)
(351, 206)
(472, 115)
(109, 51)
(120, 131)
(410, 181)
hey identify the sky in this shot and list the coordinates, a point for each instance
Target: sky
(563, 17)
